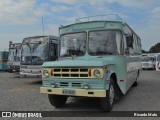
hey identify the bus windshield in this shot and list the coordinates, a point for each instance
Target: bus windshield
(148, 59)
(73, 45)
(103, 42)
(38, 54)
(3, 56)
(33, 53)
(14, 55)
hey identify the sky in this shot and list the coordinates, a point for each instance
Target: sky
(23, 18)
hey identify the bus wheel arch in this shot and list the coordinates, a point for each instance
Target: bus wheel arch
(118, 92)
(107, 102)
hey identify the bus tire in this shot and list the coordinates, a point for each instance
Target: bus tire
(118, 93)
(10, 71)
(57, 101)
(107, 102)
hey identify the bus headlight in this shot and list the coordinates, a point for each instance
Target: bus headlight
(46, 73)
(97, 73)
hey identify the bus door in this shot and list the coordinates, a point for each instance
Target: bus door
(53, 49)
(130, 60)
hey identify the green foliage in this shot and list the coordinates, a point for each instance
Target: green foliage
(143, 51)
(155, 48)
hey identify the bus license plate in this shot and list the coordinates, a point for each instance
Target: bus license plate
(68, 92)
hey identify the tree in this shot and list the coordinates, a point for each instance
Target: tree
(143, 51)
(155, 48)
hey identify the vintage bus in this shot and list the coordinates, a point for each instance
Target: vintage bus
(149, 62)
(35, 51)
(99, 58)
(3, 60)
(14, 58)
(158, 62)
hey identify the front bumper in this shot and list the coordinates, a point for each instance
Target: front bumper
(147, 67)
(13, 67)
(78, 92)
(30, 74)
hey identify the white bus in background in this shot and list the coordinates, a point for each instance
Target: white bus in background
(149, 62)
(35, 51)
(14, 58)
(158, 62)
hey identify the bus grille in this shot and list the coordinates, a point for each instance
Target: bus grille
(67, 84)
(145, 64)
(71, 72)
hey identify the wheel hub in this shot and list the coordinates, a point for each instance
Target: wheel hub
(111, 94)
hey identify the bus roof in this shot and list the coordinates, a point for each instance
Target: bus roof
(107, 17)
(40, 36)
(109, 21)
(98, 18)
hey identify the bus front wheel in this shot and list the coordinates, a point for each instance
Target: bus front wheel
(10, 71)
(57, 100)
(107, 102)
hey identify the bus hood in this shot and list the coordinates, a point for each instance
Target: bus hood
(93, 61)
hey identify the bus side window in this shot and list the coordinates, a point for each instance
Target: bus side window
(129, 41)
(129, 44)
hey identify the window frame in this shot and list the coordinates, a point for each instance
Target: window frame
(86, 33)
(121, 40)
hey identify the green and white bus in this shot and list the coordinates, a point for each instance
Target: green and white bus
(3, 60)
(99, 58)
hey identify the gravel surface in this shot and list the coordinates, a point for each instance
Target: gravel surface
(22, 94)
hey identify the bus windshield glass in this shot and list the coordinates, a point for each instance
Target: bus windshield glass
(73, 45)
(26, 54)
(148, 59)
(5, 57)
(38, 54)
(104, 42)
(34, 52)
(14, 55)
